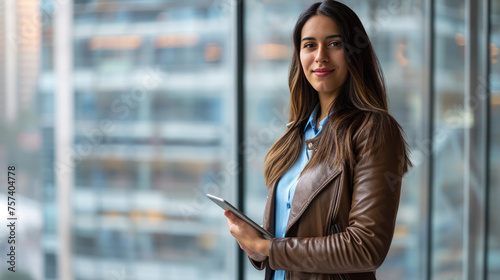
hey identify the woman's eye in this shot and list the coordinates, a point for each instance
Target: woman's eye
(308, 45)
(335, 44)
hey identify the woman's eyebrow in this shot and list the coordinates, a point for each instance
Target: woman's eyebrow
(326, 38)
(332, 36)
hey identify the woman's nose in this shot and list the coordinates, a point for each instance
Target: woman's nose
(321, 55)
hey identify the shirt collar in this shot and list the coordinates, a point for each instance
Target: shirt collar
(311, 121)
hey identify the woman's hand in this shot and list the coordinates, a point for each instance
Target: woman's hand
(249, 239)
(251, 253)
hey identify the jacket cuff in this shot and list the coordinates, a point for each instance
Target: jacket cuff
(274, 246)
(261, 265)
(258, 265)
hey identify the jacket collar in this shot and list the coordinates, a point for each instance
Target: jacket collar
(309, 185)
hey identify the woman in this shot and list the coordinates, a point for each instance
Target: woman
(334, 177)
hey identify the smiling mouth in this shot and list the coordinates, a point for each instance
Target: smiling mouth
(323, 72)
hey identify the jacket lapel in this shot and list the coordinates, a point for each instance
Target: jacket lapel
(309, 185)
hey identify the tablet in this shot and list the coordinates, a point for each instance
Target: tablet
(227, 206)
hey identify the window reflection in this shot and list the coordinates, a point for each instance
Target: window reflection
(138, 176)
(449, 157)
(493, 257)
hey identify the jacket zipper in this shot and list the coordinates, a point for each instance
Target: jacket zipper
(334, 228)
(339, 277)
(343, 277)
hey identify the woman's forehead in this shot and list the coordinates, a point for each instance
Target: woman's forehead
(319, 27)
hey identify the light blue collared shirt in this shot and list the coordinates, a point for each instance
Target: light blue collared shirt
(287, 184)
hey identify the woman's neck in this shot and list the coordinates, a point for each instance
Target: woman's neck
(325, 100)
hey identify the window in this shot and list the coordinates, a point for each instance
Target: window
(153, 128)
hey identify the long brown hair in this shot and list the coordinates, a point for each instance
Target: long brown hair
(362, 94)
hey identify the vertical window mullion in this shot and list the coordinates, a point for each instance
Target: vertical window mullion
(429, 106)
(487, 158)
(476, 102)
(240, 120)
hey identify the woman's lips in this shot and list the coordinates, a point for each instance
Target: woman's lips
(322, 72)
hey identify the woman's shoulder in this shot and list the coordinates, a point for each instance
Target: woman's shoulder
(379, 136)
(378, 126)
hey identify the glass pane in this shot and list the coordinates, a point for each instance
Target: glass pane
(396, 29)
(494, 156)
(269, 26)
(21, 140)
(153, 129)
(450, 125)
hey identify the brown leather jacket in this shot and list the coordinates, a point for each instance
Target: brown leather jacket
(342, 221)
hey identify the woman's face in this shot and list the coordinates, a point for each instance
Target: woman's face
(322, 55)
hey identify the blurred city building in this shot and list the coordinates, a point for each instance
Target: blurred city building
(20, 136)
(152, 129)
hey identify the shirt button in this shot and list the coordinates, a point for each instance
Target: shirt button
(288, 206)
(310, 145)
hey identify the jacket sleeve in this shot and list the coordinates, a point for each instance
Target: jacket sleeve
(363, 245)
(258, 265)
